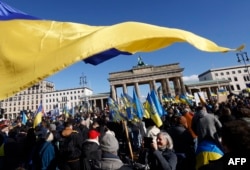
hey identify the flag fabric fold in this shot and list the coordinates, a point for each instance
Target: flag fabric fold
(33, 49)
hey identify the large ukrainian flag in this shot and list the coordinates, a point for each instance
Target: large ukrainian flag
(32, 49)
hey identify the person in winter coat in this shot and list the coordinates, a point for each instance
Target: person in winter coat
(91, 151)
(206, 126)
(161, 156)
(110, 160)
(70, 148)
(183, 142)
(44, 152)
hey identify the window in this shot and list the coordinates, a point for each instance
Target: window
(246, 78)
(216, 74)
(235, 79)
(227, 73)
(232, 87)
(239, 71)
(221, 73)
(233, 72)
(229, 78)
(238, 87)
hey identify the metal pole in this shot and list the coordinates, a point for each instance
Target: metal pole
(245, 58)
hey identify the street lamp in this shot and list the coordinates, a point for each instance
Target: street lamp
(243, 56)
(83, 82)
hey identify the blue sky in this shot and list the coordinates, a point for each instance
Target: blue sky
(226, 22)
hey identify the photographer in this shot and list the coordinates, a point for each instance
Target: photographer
(160, 154)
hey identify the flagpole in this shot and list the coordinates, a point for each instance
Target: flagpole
(128, 140)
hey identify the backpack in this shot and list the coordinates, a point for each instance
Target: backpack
(68, 150)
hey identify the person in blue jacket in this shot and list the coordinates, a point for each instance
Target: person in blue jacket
(44, 152)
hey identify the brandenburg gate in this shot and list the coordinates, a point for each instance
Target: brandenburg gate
(169, 76)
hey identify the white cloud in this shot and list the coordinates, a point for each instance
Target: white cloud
(190, 78)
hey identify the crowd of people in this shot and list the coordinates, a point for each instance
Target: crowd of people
(206, 136)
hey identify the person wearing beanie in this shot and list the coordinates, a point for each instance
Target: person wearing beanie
(91, 151)
(110, 159)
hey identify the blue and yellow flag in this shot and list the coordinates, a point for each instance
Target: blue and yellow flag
(128, 105)
(157, 103)
(206, 152)
(114, 112)
(154, 115)
(222, 92)
(139, 111)
(32, 49)
(24, 117)
(186, 100)
(38, 116)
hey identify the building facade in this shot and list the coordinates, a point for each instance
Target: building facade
(28, 99)
(237, 75)
(44, 92)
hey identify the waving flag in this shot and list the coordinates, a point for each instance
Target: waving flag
(157, 103)
(33, 49)
(114, 112)
(38, 116)
(138, 105)
(154, 115)
(128, 105)
(24, 117)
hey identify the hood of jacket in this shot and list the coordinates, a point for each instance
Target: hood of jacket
(68, 131)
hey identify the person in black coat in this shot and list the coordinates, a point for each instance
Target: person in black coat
(70, 148)
(161, 155)
(184, 145)
(91, 150)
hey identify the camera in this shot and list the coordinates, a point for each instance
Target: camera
(147, 142)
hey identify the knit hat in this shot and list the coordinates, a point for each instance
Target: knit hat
(109, 143)
(93, 134)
